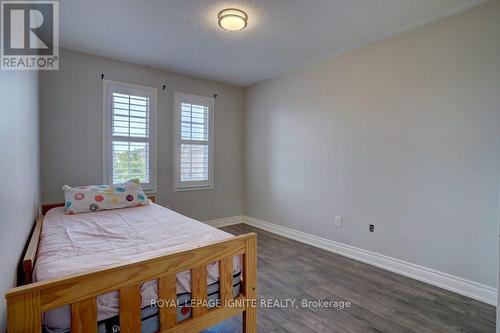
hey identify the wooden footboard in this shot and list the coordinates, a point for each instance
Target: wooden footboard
(26, 304)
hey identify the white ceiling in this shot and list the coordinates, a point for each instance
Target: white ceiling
(183, 36)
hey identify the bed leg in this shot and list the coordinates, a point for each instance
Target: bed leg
(250, 285)
(250, 320)
(24, 314)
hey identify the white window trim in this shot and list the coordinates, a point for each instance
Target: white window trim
(191, 186)
(128, 88)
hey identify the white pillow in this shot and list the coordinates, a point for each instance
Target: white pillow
(94, 198)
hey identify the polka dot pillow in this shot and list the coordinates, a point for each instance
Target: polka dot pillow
(94, 198)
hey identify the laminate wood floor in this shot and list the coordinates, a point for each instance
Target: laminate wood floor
(381, 301)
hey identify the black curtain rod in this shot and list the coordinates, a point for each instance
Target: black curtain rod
(163, 87)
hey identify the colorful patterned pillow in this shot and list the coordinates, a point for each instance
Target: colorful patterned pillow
(103, 197)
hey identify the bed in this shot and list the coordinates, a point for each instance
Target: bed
(105, 271)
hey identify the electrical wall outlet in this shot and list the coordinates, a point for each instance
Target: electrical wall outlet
(371, 227)
(338, 221)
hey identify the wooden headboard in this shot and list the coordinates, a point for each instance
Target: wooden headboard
(30, 254)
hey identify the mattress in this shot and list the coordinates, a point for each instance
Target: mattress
(78, 243)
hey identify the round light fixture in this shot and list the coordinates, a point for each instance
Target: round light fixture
(232, 19)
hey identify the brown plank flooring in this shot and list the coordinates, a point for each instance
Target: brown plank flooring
(381, 301)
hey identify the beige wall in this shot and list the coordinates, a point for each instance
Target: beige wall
(19, 171)
(403, 134)
(71, 132)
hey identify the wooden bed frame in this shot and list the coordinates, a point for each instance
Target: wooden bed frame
(26, 304)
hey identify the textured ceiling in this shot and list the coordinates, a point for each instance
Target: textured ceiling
(183, 36)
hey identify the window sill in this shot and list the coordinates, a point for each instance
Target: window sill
(192, 188)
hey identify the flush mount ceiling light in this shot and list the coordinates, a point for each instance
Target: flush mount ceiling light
(232, 19)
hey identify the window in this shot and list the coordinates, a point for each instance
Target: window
(129, 134)
(193, 148)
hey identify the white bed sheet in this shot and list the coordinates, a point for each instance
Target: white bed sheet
(78, 243)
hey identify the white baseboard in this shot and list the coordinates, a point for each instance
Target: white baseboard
(439, 279)
(433, 277)
(227, 221)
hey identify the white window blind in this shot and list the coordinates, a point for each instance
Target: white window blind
(193, 144)
(129, 127)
